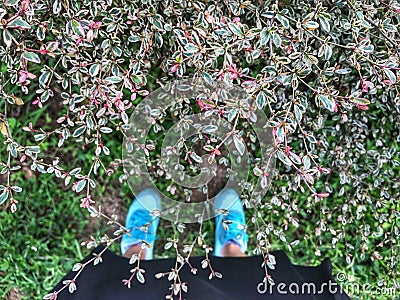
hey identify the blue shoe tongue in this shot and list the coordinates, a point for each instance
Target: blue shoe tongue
(235, 232)
(144, 217)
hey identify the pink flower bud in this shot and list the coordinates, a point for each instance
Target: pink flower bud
(236, 20)
(22, 76)
(25, 5)
(97, 25)
(78, 41)
(174, 68)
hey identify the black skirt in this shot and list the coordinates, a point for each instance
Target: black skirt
(241, 279)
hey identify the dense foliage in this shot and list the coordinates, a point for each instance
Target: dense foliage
(326, 74)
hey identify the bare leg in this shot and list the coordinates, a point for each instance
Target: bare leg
(135, 249)
(232, 250)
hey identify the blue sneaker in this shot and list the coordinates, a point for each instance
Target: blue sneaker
(139, 215)
(229, 202)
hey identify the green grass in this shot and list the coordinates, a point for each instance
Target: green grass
(38, 243)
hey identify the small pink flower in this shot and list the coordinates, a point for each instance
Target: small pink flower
(174, 68)
(38, 102)
(118, 102)
(78, 41)
(25, 5)
(96, 25)
(366, 85)
(231, 70)
(319, 196)
(323, 195)
(214, 152)
(204, 105)
(85, 202)
(201, 104)
(362, 107)
(24, 75)
(236, 20)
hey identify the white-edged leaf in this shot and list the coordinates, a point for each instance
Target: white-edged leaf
(239, 144)
(298, 113)
(232, 114)
(311, 138)
(44, 77)
(48, 296)
(283, 158)
(113, 79)
(77, 28)
(140, 277)
(328, 102)
(360, 101)
(3, 196)
(311, 25)
(328, 52)
(391, 76)
(196, 157)
(94, 70)
(31, 56)
(56, 7)
(7, 37)
(75, 171)
(19, 23)
(79, 131)
(76, 267)
(235, 29)
(276, 38)
(38, 137)
(284, 21)
(80, 185)
(261, 100)
(325, 24)
(106, 130)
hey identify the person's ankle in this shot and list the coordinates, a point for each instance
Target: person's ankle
(232, 249)
(135, 249)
